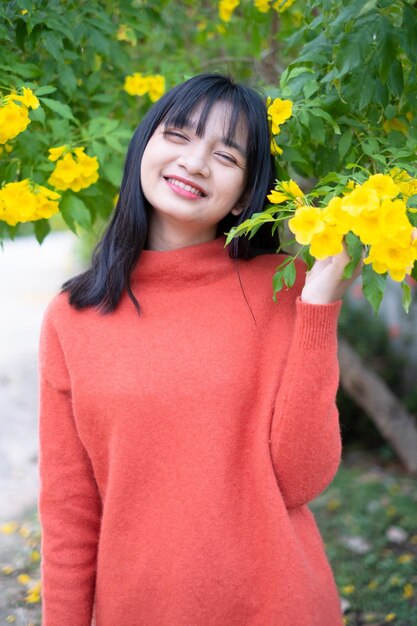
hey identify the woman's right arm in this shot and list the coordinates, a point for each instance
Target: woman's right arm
(69, 502)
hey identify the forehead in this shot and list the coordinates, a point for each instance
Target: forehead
(220, 118)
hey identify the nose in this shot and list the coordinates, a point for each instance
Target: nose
(194, 160)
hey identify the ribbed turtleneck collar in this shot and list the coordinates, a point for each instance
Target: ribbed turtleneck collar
(202, 262)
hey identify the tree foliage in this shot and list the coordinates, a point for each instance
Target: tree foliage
(349, 67)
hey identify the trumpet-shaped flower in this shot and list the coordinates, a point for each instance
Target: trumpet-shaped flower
(306, 223)
(275, 149)
(24, 201)
(28, 98)
(262, 5)
(383, 185)
(55, 153)
(287, 190)
(226, 9)
(393, 256)
(278, 112)
(14, 119)
(334, 215)
(359, 199)
(74, 173)
(138, 85)
(326, 243)
(406, 184)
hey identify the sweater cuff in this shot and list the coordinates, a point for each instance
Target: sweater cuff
(316, 324)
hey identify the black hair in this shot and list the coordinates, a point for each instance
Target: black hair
(119, 249)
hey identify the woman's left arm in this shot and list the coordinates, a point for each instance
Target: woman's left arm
(305, 439)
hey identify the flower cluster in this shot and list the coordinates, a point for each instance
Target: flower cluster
(14, 115)
(279, 5)
(278, 112)
(375, 211)
(226, 9)
(138, 85)
(74, 170)
(25, 201)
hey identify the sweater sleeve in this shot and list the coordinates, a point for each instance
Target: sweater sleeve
(305, 439)
(69, 502)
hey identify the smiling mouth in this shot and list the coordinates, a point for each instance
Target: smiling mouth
(181, 185)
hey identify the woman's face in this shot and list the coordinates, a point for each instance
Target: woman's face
(192, 182)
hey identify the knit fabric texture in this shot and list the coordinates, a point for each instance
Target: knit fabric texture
(179, 449)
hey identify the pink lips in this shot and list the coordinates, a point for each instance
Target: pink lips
(185, 193)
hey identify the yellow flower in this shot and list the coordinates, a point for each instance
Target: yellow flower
(275, 149)
(390, 617)
(395, 124)
(28, 98)
(287, 190)
(226, 9)
(278, 112)
(359, 199)
(55, 153)
(24, 579)
(405, 558)
(406, 184)
(348, 589)
(126, 33)
(326, 243)
(333, 504)
(408, 591)
(277, 197)
(373, 584)
(136, 84)
(10, 619)
(392, 255)
(282, 5)
(306, 223)
(156, 87)
(7, 569)
(291, 188)
(14, 119)
(9, 528)
(383, 185)
(74, 173)
(334, 215)
(35, 556)
(24, 201)
(34, 594)
(262, 5)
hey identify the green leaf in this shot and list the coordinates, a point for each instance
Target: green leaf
(67, 79)
(354, 247)
(373, 286)
(53, 44)
(41, 228)
(406, 296)
(345, 142)
(38, 115)
(43, 91)
(74, 211)
(290, 274)
(57, 107)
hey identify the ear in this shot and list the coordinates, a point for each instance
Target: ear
(237, 210)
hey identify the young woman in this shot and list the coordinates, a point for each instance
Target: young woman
(186, 420)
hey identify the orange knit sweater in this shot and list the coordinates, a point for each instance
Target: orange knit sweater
(178, 450)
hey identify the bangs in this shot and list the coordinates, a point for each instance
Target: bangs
(183, 109)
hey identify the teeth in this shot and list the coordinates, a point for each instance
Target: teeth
(178, 183)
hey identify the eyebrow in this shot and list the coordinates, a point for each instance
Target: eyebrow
(227, 142)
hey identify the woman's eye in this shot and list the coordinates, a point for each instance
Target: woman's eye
(174, 134)
(227, 157)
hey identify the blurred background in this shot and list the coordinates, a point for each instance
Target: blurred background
(349, 69)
